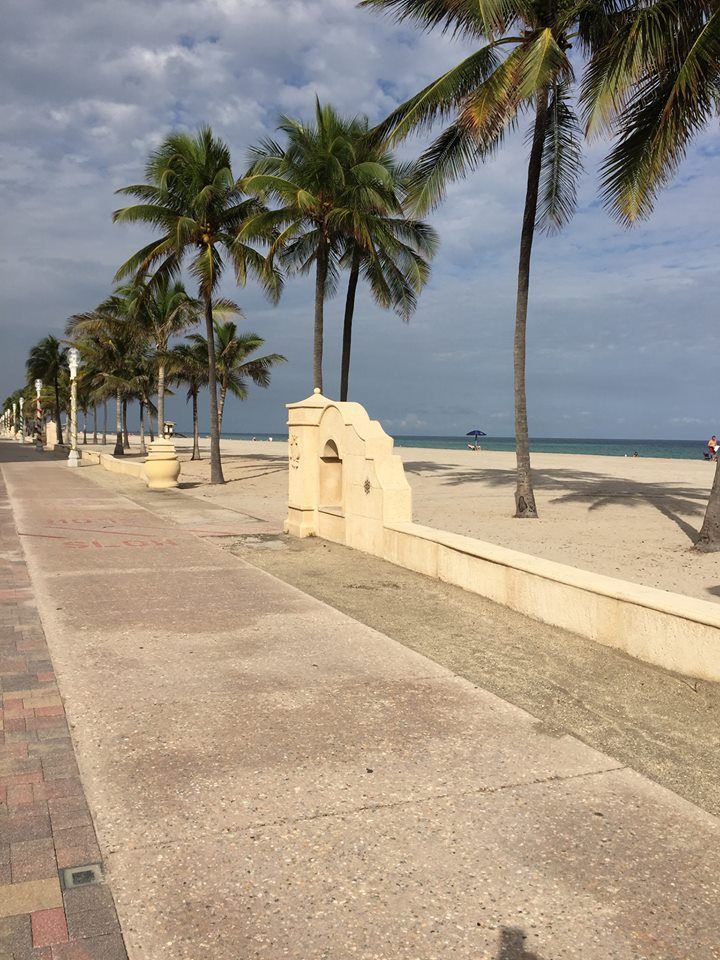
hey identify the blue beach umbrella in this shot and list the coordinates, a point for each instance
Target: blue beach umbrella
(476, 434)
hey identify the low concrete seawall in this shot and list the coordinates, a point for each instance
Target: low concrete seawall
(129, 468)
(670, 630)
(159, 470)
(347, 485)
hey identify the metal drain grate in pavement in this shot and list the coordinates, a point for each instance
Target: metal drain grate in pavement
(81, 876)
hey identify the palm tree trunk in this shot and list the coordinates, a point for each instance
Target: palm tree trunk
(151, 426)
(347, 324)
(196, 434)
(161, 399)
(84, 413)
(320, 280)
(143, 448)
(216, 472)
(524, 495)
(118, 451)
(94, 423)
(57, 411)
(709, 539)
(221, 405)
(126, 438)
(104, 433)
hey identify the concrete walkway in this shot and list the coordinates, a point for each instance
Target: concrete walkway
(46, 831)
(271, 779)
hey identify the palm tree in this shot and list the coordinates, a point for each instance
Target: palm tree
(188, 364)
(140, 387)
(163, 308)
(654, 84)
(391, 250)
(14, 398)
(84, 397)
(234, 364)
(521, 65)
(109, 343)
(311, 178)
(192, 198)
(48, 360)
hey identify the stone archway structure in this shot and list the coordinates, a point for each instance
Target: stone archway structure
(346, 483)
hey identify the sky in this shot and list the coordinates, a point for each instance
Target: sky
(622, 332)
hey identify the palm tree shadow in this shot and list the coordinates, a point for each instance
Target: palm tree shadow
(675, 502)
(512, 945)
(254, 476)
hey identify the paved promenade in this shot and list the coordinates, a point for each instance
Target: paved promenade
(270, 779)
(45, 825)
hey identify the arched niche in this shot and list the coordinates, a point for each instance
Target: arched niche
(331, 478)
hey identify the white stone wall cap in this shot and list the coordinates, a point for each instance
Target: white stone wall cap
(652, 598)
(314, 400)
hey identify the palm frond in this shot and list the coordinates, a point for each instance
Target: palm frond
(439, 99)
(446, 160)
(561, 163)
(666, 109)
(469, 18)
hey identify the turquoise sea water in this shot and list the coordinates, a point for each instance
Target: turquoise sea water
(670, 449)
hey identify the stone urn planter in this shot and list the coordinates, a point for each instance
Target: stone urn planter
(162, 467)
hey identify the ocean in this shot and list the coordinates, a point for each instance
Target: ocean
(668, 449)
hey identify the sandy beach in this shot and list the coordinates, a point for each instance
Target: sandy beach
(629, 518)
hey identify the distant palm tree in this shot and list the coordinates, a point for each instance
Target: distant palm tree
(163, 308)
(48, 361)
(108, 342)
(236, 368)
(312, 178)
(390, 250)
(14, 398)
(192, 199)
(140, 386)
(84, 397)
(521, 65)
(188, 364)
(655, 85)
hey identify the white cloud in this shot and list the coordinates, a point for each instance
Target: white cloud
(621, 322)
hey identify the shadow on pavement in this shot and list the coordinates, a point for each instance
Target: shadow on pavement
(13, 452)
(512, 945)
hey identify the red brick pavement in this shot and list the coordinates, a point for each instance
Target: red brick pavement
(45, 824)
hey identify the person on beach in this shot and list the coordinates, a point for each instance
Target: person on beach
(713, 447)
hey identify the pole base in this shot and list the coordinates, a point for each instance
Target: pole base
(73, 459)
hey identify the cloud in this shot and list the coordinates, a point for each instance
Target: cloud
(621, 322)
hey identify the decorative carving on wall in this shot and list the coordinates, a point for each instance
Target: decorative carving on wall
(294, 451)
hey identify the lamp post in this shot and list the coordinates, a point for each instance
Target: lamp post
(73, 356)
(20, 437)
(38, 416)
(14, 419)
